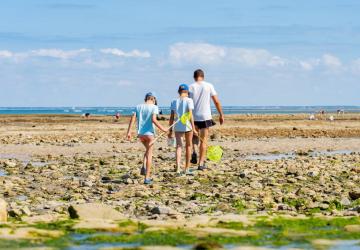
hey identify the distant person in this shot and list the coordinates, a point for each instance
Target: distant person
(180, 106)
(117, 116)
(87, 115)
(202, 92)
(145, 115)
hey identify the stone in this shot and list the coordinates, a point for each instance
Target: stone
(3, 210)
(345, 201)
(28, 233)
(352, 228)
(162, 210)
(44, 218)
(313, 173)
(89, 211)
(206, 231)
(25, 211)
(355, 194)
(256, 185)
(95, 224)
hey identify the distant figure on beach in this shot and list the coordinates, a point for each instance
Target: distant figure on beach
(87, 115)
(202, 93)
(340, 112)
(117, 116)
(145, 115)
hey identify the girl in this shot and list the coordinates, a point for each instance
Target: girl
(179, 107)
(145, 115)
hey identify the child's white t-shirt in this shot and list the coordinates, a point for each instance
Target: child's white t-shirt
(181, 106)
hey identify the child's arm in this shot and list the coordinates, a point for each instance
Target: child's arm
(157, 123)
(171, 122)
(192, 123)
(131, 123)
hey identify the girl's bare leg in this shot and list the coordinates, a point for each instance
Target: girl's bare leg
(146, 141)
(179, 145)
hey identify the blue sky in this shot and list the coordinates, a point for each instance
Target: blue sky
(110, 52)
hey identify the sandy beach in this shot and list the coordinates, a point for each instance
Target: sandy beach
(272, 165)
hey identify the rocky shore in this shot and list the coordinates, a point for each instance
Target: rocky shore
(61, 176)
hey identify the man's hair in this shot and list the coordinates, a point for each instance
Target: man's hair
(198, 73)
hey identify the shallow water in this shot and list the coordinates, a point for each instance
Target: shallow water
(2, 172)
(338, 245)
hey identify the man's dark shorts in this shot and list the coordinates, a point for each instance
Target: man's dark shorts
(204, 124)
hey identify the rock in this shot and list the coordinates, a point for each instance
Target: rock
(206, 231)
(354, 194)
(162, 210)
(28, 233)
(291, 170)
(256, 185)
(102, 225)
(208, 246)
(313, 173)
(88, 211)
(44, 218)
(26, 211)
(345, 201)
(15, 212)
(352, 228)
(10, 164)
(3, 210)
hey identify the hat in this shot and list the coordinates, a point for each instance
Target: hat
(183, 87)
(149, 94)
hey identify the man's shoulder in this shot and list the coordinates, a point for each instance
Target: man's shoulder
(208, 83)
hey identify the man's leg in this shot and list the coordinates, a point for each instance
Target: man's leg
(204, 132)
(188, 141)
(195, 144)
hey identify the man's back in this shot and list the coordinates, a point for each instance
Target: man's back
(201, 93)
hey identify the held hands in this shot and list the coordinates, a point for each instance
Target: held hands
(195, 132)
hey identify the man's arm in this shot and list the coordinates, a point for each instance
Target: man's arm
(219, 108)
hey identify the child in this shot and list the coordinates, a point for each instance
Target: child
(180, 106)
(146, 116)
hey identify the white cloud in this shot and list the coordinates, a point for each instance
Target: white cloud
(256, 57)
(121, 53)
(205, 53)
(5, 54)
(331, 61)
(57, 53)
(196, 52)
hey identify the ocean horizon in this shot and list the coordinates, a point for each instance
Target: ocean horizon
(166, 110)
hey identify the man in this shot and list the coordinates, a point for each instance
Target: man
(202, 92)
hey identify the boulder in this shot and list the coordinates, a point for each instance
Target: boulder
(3, 211)
(89, 211)
(354, 194)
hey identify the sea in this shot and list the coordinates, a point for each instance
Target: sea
(107, 111)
